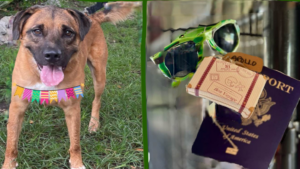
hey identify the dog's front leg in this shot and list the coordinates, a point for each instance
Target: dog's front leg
(72, 114)
(16, 115)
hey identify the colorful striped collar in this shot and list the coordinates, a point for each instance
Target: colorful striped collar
(48, 95)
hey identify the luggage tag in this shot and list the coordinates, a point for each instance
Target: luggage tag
(256, 138)
(250, 62)
(227, 84)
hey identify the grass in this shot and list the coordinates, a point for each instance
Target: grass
(44, 143)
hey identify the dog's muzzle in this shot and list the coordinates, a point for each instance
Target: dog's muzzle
(51, 70)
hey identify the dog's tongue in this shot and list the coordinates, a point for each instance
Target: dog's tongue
(51, 75)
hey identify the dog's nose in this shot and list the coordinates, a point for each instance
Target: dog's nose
(52, 55)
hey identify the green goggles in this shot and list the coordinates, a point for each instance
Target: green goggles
(180, 59)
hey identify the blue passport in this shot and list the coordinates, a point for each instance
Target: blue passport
(257, 138)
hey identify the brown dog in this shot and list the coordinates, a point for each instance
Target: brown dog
(55, 45)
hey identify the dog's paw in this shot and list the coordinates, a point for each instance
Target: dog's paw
(10, 167)
(82, 167)
(94, 125)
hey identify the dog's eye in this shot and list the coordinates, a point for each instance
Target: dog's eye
(69, 33)
(37, 31)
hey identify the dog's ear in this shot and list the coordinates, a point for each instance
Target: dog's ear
(83, 21)
(20, 20)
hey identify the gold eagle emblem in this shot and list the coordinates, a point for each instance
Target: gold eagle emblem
(260, 114)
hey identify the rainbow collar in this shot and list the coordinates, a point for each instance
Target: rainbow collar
(48, 95)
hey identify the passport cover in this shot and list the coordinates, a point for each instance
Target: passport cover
(227, 84)
(256, 138)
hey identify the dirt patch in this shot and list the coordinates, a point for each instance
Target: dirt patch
(3, 106)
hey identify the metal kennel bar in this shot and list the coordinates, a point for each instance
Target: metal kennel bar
(283, 54)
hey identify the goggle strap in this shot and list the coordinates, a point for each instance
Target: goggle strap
(186, 29)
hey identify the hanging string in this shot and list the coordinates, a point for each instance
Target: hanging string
(225, 135)
(211, 108)
(186, 29)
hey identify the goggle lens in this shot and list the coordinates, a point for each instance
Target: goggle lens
(226, 37)
(182, 59)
